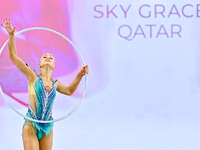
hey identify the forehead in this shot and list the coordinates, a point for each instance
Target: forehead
(47, 54)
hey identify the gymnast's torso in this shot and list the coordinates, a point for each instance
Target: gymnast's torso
(41, 99)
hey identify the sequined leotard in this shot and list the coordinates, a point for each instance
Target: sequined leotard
(40, 106)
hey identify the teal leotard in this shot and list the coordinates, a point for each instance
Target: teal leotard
(40, 106)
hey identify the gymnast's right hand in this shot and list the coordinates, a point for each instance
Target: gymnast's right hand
(8, 26)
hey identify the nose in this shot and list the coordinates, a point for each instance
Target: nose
(47, 60)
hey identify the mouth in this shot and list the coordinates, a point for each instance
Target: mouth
(47, 60)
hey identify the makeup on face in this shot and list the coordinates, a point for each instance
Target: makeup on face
(48, 58)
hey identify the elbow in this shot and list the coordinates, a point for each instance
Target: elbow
(70, 93)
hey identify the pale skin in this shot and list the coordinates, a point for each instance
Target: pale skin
(47, 65)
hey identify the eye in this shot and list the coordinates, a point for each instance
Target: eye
(44, 57)
(51, 58)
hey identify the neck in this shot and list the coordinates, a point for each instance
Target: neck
(45, 72)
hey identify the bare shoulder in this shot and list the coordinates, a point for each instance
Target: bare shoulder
(56, 82)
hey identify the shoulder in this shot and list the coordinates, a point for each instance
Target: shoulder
(56, 82)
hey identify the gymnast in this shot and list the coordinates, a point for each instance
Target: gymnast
(42, 91)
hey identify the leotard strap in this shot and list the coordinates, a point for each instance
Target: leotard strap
(35, 72)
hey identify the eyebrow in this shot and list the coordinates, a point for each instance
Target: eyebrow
(46, 54)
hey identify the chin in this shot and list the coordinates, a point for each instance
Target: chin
(47, 64)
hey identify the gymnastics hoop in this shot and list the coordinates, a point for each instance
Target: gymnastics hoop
(86, 78)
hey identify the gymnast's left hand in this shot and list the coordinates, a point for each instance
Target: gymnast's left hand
(84, 70)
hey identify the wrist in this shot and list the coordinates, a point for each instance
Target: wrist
(80, 74)
(11, 33)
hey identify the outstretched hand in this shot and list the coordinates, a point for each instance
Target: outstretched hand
(8, 26)
(84, 70)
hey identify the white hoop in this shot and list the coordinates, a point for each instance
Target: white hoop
(86, 77)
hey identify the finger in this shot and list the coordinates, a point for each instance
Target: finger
(9, 21)
(15, 28)
(85, 67)
(6, 21)
(3, 25)
(86, 70)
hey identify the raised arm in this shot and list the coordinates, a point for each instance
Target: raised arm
(73, 86)
(13, 52)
